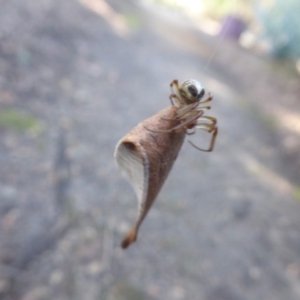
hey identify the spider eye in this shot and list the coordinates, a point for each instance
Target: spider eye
(202, 92)
(193, 90)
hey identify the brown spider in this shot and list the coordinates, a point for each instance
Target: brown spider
(189, 98)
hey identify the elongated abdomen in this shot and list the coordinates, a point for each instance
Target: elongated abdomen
(146, 158)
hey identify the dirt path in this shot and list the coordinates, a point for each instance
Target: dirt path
(74, 78)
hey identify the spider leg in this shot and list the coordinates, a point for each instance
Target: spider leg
(193, 131)
(214, 131)
(175, 97)
(175, 91)
(213, 121)
(174, 82)
(185, 109)
(189, 120)
(181, 125)
(204, 107)
(159, 131)
(208, 99)
(169, 119)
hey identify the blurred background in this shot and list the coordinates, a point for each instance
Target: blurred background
(76, 76)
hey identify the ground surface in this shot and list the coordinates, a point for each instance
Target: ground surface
(75, 76)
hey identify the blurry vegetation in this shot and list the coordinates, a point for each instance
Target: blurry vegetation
(15, 120)
(281, 27)
(217, 9)
(278, 21)
(125, 291)
(297, 193)
(132, 21)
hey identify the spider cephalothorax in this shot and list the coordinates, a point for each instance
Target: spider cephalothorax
(190, 91)
(191, 102)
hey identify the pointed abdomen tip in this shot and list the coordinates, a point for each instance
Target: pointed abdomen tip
(129, 239)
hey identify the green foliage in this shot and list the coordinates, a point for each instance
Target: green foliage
(125, 291)
(215, 9)
(132, 21)
(219, 8)
(13, 119)
(297, 193)
(281, 27)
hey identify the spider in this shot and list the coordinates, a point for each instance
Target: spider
(190, 100)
